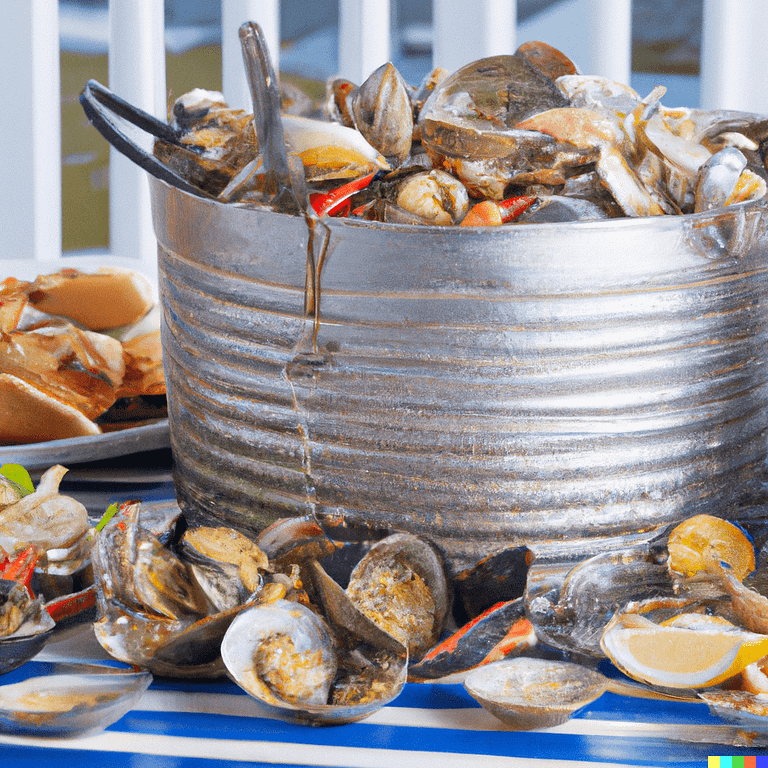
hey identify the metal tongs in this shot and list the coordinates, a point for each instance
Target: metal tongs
(284, 173)
(280, 176)
(125, 127)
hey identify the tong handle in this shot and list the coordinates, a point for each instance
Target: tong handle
(111, 115)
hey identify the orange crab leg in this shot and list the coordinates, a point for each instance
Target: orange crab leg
(71, 605)
(22, 567)
(489, 213)
(336, 202)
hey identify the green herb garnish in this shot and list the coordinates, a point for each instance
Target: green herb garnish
(19, 477)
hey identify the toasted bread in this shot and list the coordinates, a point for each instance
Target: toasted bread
(28, 415)
(99, 301)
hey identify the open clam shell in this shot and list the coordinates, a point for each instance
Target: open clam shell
(526, 693)
(165, 647)
(400, 584)
(284, 656)
(67, 700)
(19, 649)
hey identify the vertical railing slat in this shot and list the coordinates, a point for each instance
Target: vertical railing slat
(610, 30)
(137, 74)
(463, 32)
(365, 38)
(266, 13)
(733, 61)
(30, 214)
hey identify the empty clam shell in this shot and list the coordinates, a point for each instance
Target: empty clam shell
(527, 693)
(68, 699)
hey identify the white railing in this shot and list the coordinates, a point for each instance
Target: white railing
(733, 70)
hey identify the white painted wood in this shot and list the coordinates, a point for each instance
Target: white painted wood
(464, 32)
(609, 25)
(733, 61)
(234, 13)
(365, 39)
(30, 215)
(137, 74)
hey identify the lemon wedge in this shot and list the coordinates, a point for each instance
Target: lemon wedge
(688, 651)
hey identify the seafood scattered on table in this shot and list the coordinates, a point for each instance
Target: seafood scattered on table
(526, 125)
(323, 622)
(79, 355)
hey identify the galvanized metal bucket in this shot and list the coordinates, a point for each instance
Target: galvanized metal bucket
(570, 387)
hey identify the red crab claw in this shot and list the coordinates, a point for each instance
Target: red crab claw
(22, 568)
(336, 202)
(490, 213)
(70, 605)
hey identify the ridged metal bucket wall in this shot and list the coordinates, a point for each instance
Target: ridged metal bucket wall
(565, 386)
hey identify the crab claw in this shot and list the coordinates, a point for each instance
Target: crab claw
(489, 213)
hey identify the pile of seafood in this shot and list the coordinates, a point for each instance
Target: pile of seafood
(516, 138)
(79, 355)
(325, 626)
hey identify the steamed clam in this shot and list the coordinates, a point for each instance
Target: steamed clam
(400, 585)
(527, 693)
(285, 656)
(154, 611)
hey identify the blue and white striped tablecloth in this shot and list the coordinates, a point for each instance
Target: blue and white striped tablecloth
(183, 724)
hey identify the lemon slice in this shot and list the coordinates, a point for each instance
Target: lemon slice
(689, 651)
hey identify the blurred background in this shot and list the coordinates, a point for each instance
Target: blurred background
(666, 46)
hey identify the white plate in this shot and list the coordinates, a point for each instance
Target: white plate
(75, 450)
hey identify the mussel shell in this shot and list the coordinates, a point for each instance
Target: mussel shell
(65, 571)
(529, 693)
(166, 647)
(163, 583)
(383, 113)
(570, 607)
(503, 630)
(497, 578)
(19, 649)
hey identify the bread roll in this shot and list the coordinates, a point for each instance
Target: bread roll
(28, 415)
